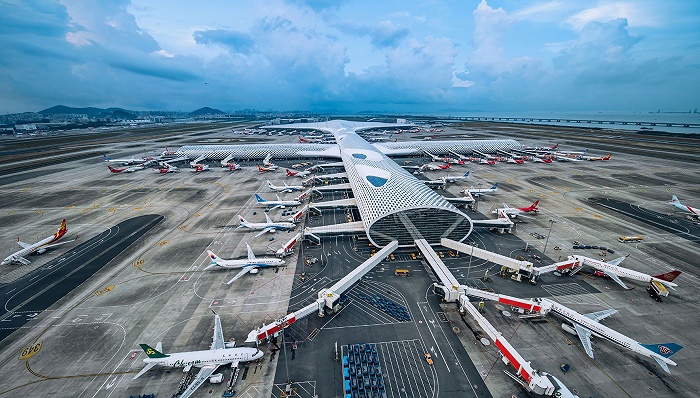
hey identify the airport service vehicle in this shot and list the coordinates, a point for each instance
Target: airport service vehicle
(38, 247)
(615, 272)
(276, 204)
(630, 238)
(219, 353)
(286, 188)
(694, 212)
(126, 161)
(129, 169)
(481, 191)
(264, 227)
(514, 212)
(247, 265)
(450, 178)
(300, 174)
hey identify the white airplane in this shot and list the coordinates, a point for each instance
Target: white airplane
(480, 191)
(691, 210)
(164, 167)
(615, 272)
(39, 247)
(267, 226)
(276, 204)
(514, 212)
(300, 174)
(444, 160)
(266, 169)
(234, 167)
(129, 169)
(201, 167)
(587, 325)
(126, 161)
(219, 353)
(450, 178)
(250, 264)
(286, 188)
(433, 167)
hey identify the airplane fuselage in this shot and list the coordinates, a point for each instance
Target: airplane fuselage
(603, 331)
(620, 271)
(207, 357)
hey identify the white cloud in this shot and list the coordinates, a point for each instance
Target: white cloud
(636, 13)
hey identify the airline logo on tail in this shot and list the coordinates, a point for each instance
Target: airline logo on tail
(152, 352)
(668, 276)
(61, 231)
(665, 349)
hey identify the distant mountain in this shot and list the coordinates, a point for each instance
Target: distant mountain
(206, 111)
(116, 113)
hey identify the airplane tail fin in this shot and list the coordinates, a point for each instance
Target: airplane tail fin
(215, 260)
(241, 221)
(289, 173)
(668, 276)
(260, 168)
(465, 175)
(674, 199)
(607, 157)
(112, 169)
(665, 349)
(107, 158)
(258, 198)
(152, 352)
(495, 186)
(62, 228)
(585, 151)
(534, 205)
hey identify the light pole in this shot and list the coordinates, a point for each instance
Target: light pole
(551, 224)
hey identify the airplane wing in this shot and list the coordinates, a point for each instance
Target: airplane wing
(145, 369)
(22, 260)
(585, 336)
(274, 207)
(244, 271)
(251, 255)
(57, 244)
(617, 280)
(217, 342)
(600, 315)
(617, 261)
(202, 376)
(263, 231)
(24, 245)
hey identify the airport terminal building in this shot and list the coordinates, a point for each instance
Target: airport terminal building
(393, 204)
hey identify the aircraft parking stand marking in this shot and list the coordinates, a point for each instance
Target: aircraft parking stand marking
(573, 293)
(303, 389)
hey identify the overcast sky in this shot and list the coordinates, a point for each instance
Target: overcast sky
(351, 55)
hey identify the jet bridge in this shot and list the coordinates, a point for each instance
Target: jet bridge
(450, 285)
(326, 298)
(516, 266)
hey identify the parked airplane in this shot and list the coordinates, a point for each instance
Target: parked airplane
(286, 188)
(226, 162)
(219, 353)
(39, 247)
(247, 265)
(445, 160)
(310, 140)
(481, 191)
(450, 178)
(201, 167)
(164, 167)
(129, 169)
(267, 226)
(300, 174)
(587, 325)
(267, 162)
(615, 272)
(266, 169)
(597, 157)
(275, 204)
(514, 212)
(540, 148)
(432, 167)
(234, 167)
(694, 212)
(126, 161)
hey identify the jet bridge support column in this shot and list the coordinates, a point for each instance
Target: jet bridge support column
(532, 380)
(450, 286)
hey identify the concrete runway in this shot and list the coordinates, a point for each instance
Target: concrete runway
(27, 297)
